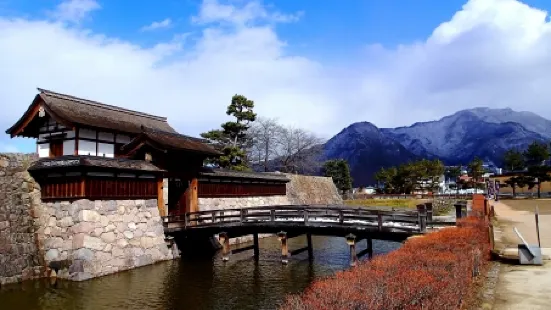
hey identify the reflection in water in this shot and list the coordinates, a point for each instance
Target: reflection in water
(240, 283)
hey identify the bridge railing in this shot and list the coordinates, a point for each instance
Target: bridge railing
(413, 196)
(303, 215)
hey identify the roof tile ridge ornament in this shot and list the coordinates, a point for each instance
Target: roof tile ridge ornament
(99, 104)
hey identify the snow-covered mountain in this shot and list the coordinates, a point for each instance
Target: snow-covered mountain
(455, 139)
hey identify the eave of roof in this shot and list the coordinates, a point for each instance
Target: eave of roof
(162, 140)
(72, 161)
(220, 173)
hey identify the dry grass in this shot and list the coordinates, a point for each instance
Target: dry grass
(544, 205)
(441, 270)
(394, 203)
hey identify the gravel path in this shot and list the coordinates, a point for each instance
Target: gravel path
(521, 286)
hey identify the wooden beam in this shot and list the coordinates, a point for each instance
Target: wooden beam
(193, 198)
(76, 141)
(310, 246)
(282, 236)
(256, 247)
(160, 197)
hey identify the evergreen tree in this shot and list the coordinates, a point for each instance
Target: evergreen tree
(232, 139)
(535, 155)
(513, 160)
(340, 172)
(476, 171)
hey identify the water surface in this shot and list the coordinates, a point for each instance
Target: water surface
(194, 284)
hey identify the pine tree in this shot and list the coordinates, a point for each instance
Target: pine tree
(232, 139)
(340, 172)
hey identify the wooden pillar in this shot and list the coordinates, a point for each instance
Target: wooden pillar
(351, 240)
(370, 248)
(282, 236)
(193, 197)
(225, 241)
(256, 248)
(310, 246)
(160, 197)
(422, 215)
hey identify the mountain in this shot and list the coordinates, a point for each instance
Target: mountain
(366, 149)
(455, 139)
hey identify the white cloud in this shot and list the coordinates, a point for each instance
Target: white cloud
(491, 53)
(74, 10)
(253, 11)
(165, 23)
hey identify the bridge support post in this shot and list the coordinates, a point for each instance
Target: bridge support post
(310, 247)
(369, 248)
(256, 248)
(225, 240)
(351, 240)
(282, 236)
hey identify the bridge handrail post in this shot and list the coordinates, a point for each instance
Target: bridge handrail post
(242, 215)
(272, 215)
(341, 217)
(305, 214)
(379, 221)
(213, 217)
(429, 208)
(422, 217)
(186, 219)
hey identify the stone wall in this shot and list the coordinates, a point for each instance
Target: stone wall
(304, 189)
(19, 195)
(85, 239)
(207, 204)
(77, 240)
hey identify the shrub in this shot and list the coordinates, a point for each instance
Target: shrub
(436, 271)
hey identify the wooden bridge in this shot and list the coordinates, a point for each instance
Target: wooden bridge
(354, 224)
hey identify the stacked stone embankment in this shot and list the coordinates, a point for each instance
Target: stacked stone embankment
(86, 239)
(75, 240)
(20, 258)
(304, 189)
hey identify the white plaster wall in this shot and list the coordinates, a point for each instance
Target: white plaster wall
(107, 136)
(86, 148)
(87, 133)
(68, 147)
(44, 150)
(122, 139)
(106, 150)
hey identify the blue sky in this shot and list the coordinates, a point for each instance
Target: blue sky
(318, 65)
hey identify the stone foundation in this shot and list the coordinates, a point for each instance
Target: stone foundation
(85, 239)
(20, 258)
(74, 240)
(207, 204)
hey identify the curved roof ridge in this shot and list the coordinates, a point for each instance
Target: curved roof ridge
(99, 104)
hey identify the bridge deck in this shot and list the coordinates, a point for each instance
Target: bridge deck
(313, 219)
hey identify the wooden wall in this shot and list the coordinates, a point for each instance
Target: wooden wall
(98, 188)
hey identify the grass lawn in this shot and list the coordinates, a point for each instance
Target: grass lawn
(395, 203)
(544, 205)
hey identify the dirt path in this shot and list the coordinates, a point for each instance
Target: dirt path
(522, 286)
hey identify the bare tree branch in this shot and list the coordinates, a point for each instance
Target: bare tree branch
(263, 135)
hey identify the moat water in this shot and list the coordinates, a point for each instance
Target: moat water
(240, 283)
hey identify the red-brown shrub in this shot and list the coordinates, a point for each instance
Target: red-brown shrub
(432, 272)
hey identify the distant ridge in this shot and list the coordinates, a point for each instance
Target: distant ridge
(455, 139)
